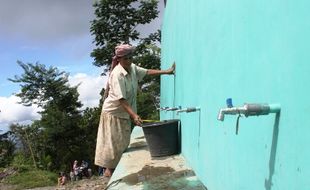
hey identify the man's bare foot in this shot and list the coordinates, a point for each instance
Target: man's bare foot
(108, 172)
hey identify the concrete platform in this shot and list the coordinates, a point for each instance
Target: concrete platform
(137, 170)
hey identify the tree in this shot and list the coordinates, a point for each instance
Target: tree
(148, 97)
(60, 118)
(28, 138)
(116, 23)
(40, 85)
(7, 148)
(89, 125)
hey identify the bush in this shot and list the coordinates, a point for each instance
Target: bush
(32, 178)
(21, 163)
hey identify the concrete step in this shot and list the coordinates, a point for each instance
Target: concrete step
(137, 170)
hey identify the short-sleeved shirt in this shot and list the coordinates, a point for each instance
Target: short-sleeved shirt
(123, 85)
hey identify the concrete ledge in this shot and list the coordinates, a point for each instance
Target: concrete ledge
(138, 170)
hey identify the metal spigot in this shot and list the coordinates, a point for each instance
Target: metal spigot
(174, 108)
(162, 108)
(229, 111)
(187, 110)
(247, 110)
(170, 108)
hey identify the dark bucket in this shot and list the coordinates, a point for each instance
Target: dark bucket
(162, 137)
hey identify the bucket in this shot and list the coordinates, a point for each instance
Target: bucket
(162, 137)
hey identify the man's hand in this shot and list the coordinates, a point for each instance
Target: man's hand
(171, 70)
(137, 120)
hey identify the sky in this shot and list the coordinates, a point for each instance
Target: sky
(54, 33)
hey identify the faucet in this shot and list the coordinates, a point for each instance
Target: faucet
(162, 108)
(249, 110)
(191, 109)
(170, 108)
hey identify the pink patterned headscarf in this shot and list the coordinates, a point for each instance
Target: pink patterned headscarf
(121, 51)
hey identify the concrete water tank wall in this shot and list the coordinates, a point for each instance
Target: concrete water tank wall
(252, 52)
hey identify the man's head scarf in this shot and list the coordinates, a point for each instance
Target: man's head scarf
(121, 51)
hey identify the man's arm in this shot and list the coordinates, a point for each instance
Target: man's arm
(135, 117)
(160, 72)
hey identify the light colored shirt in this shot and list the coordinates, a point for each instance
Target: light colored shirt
(123, 85)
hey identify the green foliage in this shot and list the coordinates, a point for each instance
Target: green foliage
(39, 84)
(147, 109)
(32, 142)
(62, 135)
(21, 163)
(58, 134)
(32, 178)
(116, 23)
(89, 125)
(7, 148)
(148, 97)
(45, 162)
(26, 176)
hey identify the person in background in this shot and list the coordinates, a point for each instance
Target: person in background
(62, 179)
(72, 176)
(84, 169)
(75, 169)
(119, 107)
(100, 170)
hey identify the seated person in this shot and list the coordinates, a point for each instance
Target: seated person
(62, 179)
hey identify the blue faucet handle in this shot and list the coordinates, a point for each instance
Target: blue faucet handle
(229, 103)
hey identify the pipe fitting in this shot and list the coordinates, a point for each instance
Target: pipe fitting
(249, 110)
(187, 110)
(169, 108)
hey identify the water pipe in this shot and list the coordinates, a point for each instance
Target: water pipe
(249, 110)
(187, 110)
(170, 108)
(179, 109)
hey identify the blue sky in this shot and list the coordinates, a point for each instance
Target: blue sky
(52, 33)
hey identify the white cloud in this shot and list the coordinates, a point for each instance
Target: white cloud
(12, 112)
(89, 88)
